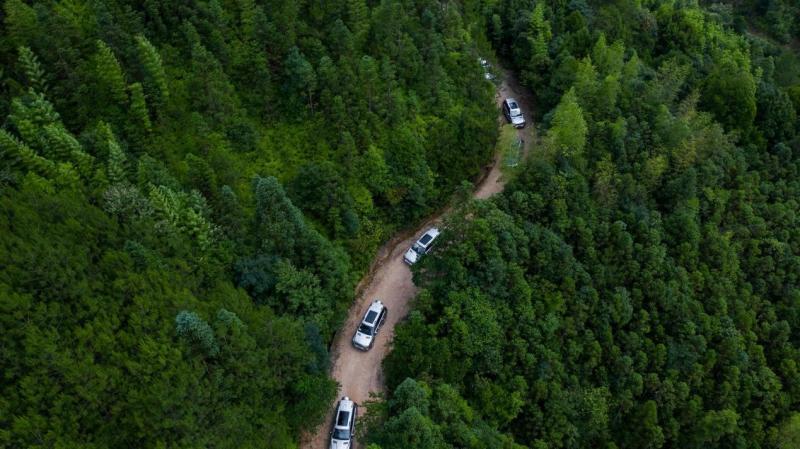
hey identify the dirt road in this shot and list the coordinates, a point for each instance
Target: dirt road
(360, 373)
(510, 87)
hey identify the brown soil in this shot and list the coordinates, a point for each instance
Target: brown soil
(359, 373)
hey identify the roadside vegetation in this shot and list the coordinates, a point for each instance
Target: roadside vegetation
(189, 192)
(637, 285)
(509, 148)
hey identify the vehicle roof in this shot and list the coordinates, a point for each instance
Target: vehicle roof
(374, 310)
(345, 406)
(511, 100)
(432, 232)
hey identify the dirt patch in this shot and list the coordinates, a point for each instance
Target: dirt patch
(389, 279)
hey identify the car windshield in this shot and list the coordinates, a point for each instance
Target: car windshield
(364, 329)
(513, 105)
(418, 248)
(341, 434)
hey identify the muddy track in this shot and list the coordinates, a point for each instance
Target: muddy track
(389, 279)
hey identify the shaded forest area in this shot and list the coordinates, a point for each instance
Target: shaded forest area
(637, 285)
(189, 191)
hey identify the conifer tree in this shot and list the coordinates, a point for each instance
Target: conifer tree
(66, 148)
(21, 21)
(22, 157)
(116, 169)
(190, 326)
(138, 108)
(156, 78)
(538, 36)
(34, 72)
(358, 19)
(301, 76)
(184, 214)
(29, 114)
(108, 73)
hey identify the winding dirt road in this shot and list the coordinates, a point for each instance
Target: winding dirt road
(360, 373)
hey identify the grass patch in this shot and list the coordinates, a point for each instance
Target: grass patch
(509, 147)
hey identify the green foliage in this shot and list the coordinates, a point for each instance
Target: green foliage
(143, 153)
(301, 77)
(21, 21)
(438, 417)
(776, 18)
(108, 74)
(155, 77)
(789, 433)
(567, 134)
(22, 157)
(534, 46)
(640, 291)
(117, 160)
(138, 108)
(191, 327)
(94, 313)
(34, 72)
(730, 92)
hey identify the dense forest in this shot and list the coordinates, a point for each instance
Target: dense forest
(637, 285)
(189, 191)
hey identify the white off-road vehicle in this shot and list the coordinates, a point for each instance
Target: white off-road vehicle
(513, 113)
(367, 331)
(344, 424)
(421, 247)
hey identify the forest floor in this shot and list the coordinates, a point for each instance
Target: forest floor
(360, 373)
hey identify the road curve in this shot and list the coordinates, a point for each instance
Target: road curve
(359, 373)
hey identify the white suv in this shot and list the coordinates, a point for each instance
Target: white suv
(370, 325)
(344, 424)
(513, 113)
(422, 246)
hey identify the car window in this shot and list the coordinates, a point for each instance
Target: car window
(341, 434)
(341, 420)
(364, 329)
(371, 316)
